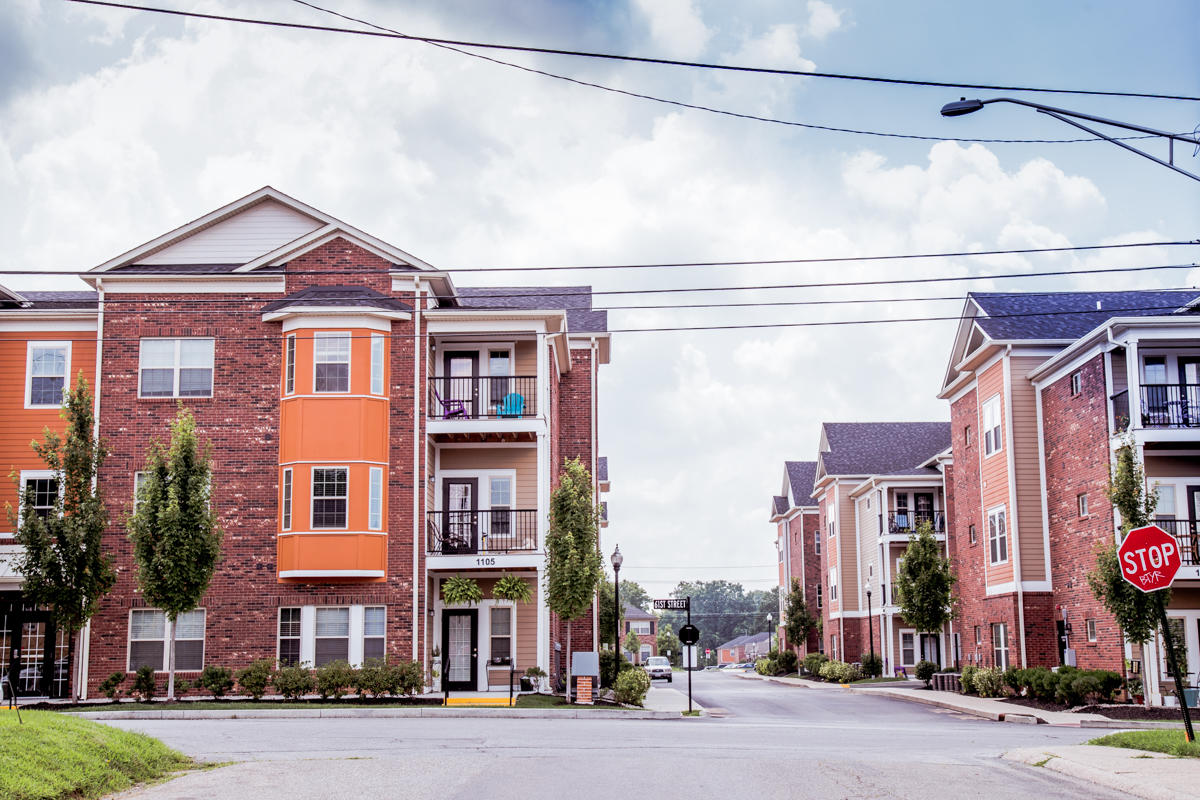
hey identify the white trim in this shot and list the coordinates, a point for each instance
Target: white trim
(348, 336)
(56, 323)
(166, 640)
(1041, 440)
(188, 284)
(916, 647)
(331, 573)
(331, 532)
(375, 484)
(1014, 523)
(29, 346)
(294, 317)
(349, 461)
(338, 395)
(289, 361)
(378, 370)
(312, 498)
(177, 367)
(287, 495)
(988, 513)
(25, 476)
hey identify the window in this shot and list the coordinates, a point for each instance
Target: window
(978, 635)
(832, 532)
(499, 371)
(149, 640)
(42, 489)
(1166, 502)
(991, 426)
(908, 648)
(375, 502)
(376, 363)
(833, 594)
(972, 537)
(1091, 630)
(501, 635)
(500, 498)
(139, 481)
(1155, 368)
(833, 647)
(871, 570)
(332, 636)
(286, 502)
(1000, 645)
(46, 373)
(289, 370)
(967, 435)
(329, 497)
(641, 627)
(289, 637)
(819, 603)
(1081, 502)
(1076, 383)
(374, 629)
(817, 543)
(331, 362)
(176, 368)
(997, 536)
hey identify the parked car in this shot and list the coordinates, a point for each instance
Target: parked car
(658, 667)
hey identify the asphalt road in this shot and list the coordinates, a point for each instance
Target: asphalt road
(769, 741)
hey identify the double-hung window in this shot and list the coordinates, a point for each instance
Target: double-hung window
(374, 630)
(332, 636)
(908, 648)
(289, 637)
(376, 363)
(817, 543)
(375, 499)
(641, 628)
(286, 501)
(500, 497)
(331, 362)
(41, 488)
(176, 368)
(833, 583)
(289, 365)
(501, 635)
(819, 604)
(991, 426)
(1000, 645)
(330, 497)
(46, 373)
(997, 536)
(149, 640)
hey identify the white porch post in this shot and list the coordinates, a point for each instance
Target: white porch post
(1133, 375)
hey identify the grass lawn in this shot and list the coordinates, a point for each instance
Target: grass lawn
(1170, 742)
(877, 680)
(56, 756)
(553, 701)
(239, 705)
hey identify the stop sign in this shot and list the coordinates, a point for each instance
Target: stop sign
(1149, 558)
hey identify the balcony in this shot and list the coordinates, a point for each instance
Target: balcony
(907, 522)
(513, 397)
(1163, 405)
(1187, 533)
(452, 533)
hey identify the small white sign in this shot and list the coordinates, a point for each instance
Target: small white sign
(690, 657)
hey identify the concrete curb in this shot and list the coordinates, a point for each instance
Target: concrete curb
(1135, 785)
(380, 713)
(934, 701)
(1132, 725)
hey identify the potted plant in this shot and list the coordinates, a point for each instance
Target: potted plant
(435, 669)
(533, 679)
(1134, 686)
(460, 591)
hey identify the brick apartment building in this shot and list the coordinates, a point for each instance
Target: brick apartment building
(644, 625)
(374, 428)
(798, 544)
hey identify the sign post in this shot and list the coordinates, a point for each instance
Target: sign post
(689, 634)
(1149, 560)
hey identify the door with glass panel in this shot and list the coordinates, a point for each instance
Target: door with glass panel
(460, 649)
(460, 381)
(1189, 389)
(460, 515)
(33, 654)
(1189, 532)
(924, 509)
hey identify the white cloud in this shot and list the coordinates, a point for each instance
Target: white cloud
(675, 26)
(823, 19)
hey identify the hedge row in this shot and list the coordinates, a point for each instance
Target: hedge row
(1067, 686)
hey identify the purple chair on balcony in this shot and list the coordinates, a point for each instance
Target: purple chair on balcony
(450, 408)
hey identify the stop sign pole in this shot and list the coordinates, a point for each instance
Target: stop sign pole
(1149, 560)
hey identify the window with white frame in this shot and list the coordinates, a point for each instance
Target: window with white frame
(817, 542)
(997, 536)
(1091, 630)
(501, 633)
(374, 631)
(41, 489)
(832, 530)
(640, 627)
(289, 365)
(331, 362)
(1081, 502)
(149, 640)
(971, 535)
(376, 363)
(991, 426)
(375, 499)
(833, 583)
(46, 373)
(1076, 383)
(139, 481)
(908, 648)
(285, 503)
(1165, 510)
(330, 497)
(1000, 645)
(289, 637)
(978, 634)
(967, 435)
(819, 603)
(332, 636)
(175, 368)
(500, 501)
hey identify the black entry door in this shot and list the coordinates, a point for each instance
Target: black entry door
(1189, 389)
(460, 515)
(33, 653)
(460, 369)
(924, 507)
(460, 648)
(1189, 537)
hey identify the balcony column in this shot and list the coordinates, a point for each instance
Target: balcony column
(1133, 376)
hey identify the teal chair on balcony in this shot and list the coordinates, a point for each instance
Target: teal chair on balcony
(513, 405)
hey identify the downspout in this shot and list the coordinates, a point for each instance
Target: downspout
(418, 478)
(1014, 523)
(596, 489)
(85, 635)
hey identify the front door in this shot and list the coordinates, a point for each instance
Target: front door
(931, 648)
(1189, 537)
(460, 642)
(460, 515)
(1189, 389)
(33, 653)
(924, 507)
(461, 379)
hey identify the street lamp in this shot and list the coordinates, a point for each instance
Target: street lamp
(870, 625)
(964, 106)
(617, 559)
(770, 629)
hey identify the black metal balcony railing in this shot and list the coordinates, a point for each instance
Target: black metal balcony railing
(475, 532)
(1120, 408)
(1171, 405)
(512, 397)
(1187, 533)
(909, 521)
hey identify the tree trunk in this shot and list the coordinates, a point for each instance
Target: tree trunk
(568, 687)
(171, 664)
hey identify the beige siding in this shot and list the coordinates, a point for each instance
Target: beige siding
(251, 233)
(1026, 462)
(848, 587)
(1172, 467)
(867, 535)
(483, 459)
(994, 469)
(525, 358)
(1120, 378)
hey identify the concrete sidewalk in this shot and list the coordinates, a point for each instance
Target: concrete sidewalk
(675, 701)
(1153, 776)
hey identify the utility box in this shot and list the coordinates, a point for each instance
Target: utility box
(585, 670)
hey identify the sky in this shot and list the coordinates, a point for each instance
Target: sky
(116, 126)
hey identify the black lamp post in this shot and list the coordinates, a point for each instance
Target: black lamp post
(617, 559)
(870, 625)
(770, 630)
(964, 106)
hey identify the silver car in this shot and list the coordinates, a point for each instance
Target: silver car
(658, 667)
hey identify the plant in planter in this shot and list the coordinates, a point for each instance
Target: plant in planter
(533, 678)
(460, 591)
(1135, 689)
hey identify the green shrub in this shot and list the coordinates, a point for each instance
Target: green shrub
(840, 672)
(872, 665)
(406, 677)
(255, 678)
(371, 678)
(1014, 679)
(766, 666)
(144, 683)
(1040, 683)
(925, 670)
(606, 670)
(1076, 687)
(334, 679)
(788, 662)
(293, 682)
(217, 680)
(111, 686)
(967, 681)
(813, 662)
(989, 682)
(632, 685)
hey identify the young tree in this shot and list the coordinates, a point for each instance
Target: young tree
(573, 567)
(63, 564)
(924, 583)
(176, 538)
(797, 622)
(668, 642)
(633, 645)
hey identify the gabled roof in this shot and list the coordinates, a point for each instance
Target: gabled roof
(779, 505)
(1070, 315)
(801, 475)
(9, 298)
(575, 300)
(338, 296)
(48, 301)
(634, 612)
(882, 448)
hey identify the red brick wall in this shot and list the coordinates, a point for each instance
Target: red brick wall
(804, 562)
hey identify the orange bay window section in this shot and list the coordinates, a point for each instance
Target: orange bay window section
(333, 452)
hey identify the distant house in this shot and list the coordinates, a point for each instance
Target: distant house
(797, 520)
(744, 648)
(645, 626)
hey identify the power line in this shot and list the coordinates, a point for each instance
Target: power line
(632, 59)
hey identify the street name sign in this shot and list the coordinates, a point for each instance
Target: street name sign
(1149, 558)
(672, 605)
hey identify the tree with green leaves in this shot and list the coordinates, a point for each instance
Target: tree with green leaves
(668, 642)
(632, 645)
(925, 583)
(797, 622)
(62, 563)
(573, 566)
(175, 532)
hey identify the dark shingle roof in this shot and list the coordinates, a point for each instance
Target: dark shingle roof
(780, 504)
(50, 301)
(575, 300)
(1070, 315)
(802, 475)
(883, 448)
(633, 612)
(602, 468)
(348, 296)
